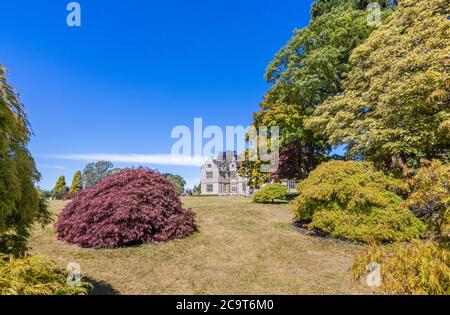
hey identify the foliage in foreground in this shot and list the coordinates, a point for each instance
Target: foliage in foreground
(352, 201)
(270, 193)
(130, 207)
(430, 196)
(416, 268)
(34, 275)
(20, 202)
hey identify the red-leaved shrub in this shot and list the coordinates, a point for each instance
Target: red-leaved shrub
(130, 207)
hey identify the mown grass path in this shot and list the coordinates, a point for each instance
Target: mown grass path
(241, 248)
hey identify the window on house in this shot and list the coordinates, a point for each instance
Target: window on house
(209, 165)
(234, 189)
(209, 188)
(233, 175)
(209, 175)
(291, 184)
(244, 187)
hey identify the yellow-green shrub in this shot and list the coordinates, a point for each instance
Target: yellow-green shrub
(270, 193)
(415, 268)
(430, 196)
(34, 275)
(353, 201)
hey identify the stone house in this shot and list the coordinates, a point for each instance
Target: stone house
(221, 176)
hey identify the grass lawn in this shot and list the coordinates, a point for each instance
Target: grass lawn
(241, 248)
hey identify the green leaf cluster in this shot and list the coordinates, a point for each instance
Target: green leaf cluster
(33, 275)
(355, 202)
(271, 193)
(413, 269)
(430, 196)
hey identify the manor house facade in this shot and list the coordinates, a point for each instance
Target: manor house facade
(221, 176)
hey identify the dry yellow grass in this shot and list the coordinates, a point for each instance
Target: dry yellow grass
(241, 248)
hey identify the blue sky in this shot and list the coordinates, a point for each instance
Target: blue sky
(134, 70)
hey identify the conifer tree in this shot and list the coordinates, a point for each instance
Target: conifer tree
(76, 183)
(60, 188)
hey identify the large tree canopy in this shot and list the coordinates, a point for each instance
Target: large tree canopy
(20, 204)
(304, 73)
(395, 107)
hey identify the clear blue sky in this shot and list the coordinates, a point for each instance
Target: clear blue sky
(136, 69)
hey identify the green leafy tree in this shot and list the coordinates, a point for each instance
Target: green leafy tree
(430, 196)
(303, 74)
(177, 181)
(97, 171)
(252, 171)
(34, 275)
(353, 201)
(60, 190)
(77, 185)
(270, 193)
(20, 202)
(395, 106)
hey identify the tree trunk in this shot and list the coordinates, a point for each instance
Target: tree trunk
(398, 161)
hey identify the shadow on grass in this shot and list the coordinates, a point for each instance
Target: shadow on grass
(275, 202)
(100, 287)
(302, 228)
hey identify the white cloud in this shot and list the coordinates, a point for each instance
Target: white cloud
(154, 159)
(57, 167)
